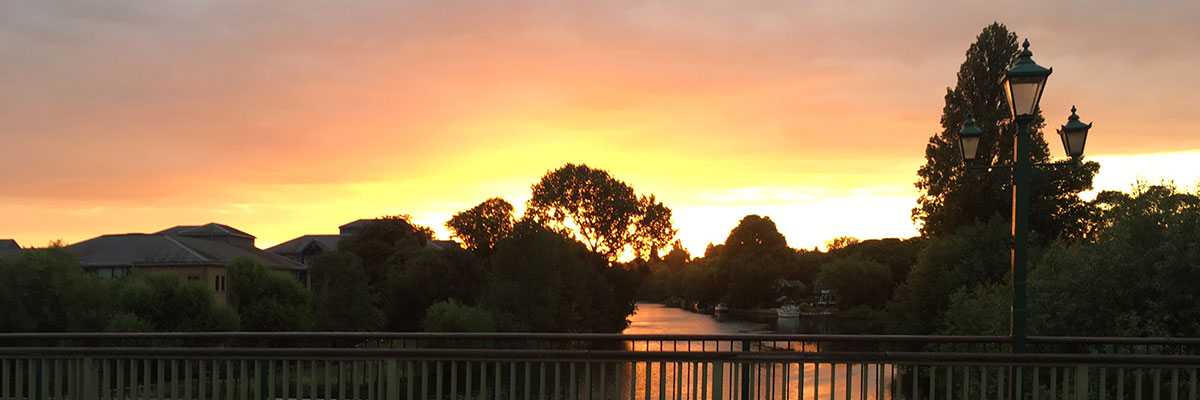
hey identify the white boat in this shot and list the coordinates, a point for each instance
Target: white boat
(788, 311)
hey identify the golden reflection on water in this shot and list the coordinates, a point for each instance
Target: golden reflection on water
(701, 380)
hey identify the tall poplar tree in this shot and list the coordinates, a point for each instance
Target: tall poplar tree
(952, 197)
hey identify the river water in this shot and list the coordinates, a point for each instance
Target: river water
(685, 380)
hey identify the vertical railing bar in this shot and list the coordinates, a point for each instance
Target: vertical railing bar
(341, 379)
(285, 383)
(244, 371)
(328, 379)
(1192, 395)
(1054, 383)
(1037, 384)
(425, 378)
(662, 377)
(354, 378)
(718, 379)
(1137, 383)
(966, 381)
(1174, 384)
(1121, 383)
(603, 381)
(482, 380)
(849, 380)
(949, 381)
(270, 379)
(915, 387)
(187, 381)
(1103, 386)
(1157, 390)
(453, 380)
(174, 378)
(573, 388)
(816, 380)
(467, 372)
(512, 380)
(1000, 383)
(932, 382)
(558, 380)
(528, 379)
(542, 380)
(410, 378)
(312, 387)
(299, 379)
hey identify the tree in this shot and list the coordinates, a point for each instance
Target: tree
(543, 281)
(452, 316)
(858, 281)
(601, 211)
(482, 226)
(754, 256)
(379, 241)
(841, 242)
(975, 255)
(753, 232)
(45, 290)
(163, 302)
(424, 277)
(343, 298)
(952, 198)
(268, 300)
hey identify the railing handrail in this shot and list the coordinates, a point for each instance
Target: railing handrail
(897, 357)
(598, 337)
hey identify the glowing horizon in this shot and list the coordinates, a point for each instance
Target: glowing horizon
(284, 120)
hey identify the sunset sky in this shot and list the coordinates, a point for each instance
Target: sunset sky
(290, 118)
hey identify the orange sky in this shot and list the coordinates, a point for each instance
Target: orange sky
(283, 119)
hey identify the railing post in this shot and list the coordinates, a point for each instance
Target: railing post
(745, 384)
(1081, 382)
(91, 382)
(718, 385)
(393, 380)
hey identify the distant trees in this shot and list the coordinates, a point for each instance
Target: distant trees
(46, 291)
(600, 211)
(951, 198)
(543, 281)
(483, 226)
(163, 302)
(268, 300)
(343, 299)
(858, 281)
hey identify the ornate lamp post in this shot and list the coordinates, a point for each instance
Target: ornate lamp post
(1023, 85)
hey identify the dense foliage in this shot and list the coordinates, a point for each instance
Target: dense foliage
(602, 212)
(952, 197)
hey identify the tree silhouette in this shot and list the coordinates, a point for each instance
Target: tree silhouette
(482, 226)
(602, 212)
(953, 197)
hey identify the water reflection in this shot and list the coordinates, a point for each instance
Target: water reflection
(700, 380)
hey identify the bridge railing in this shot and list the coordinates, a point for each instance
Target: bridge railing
(537, 366)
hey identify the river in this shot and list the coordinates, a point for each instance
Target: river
(773, 381)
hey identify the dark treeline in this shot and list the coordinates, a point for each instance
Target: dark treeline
(554, 269)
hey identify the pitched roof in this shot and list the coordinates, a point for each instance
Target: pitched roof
(136, 249)
(209, 229)
(297, 245)
(9, 246)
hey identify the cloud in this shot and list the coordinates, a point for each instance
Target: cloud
(185, 103)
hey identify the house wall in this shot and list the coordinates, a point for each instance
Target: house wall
(213, 276)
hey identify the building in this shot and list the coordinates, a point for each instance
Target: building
(198, 253)
(303, 248)
(9, 246)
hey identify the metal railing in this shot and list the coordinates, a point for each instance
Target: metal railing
(555, 366)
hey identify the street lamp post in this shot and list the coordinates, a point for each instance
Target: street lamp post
(1023, 85)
